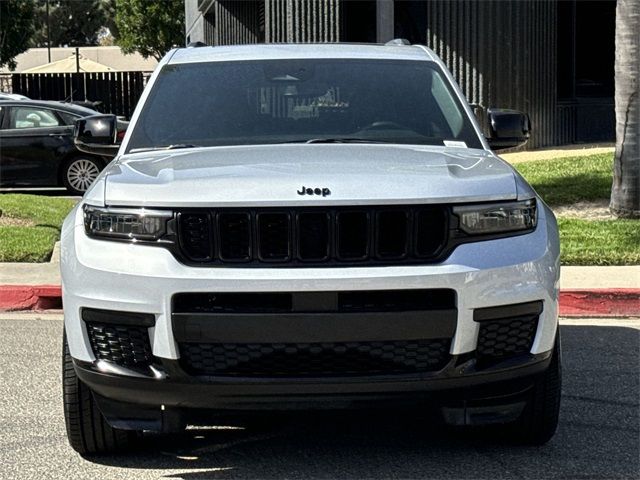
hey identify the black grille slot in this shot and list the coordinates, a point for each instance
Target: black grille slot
(124, 345)
(235, 236)
(431, 231)
(314, 359)
(274, 236)
(396, 300)
(287, 302)
(313, 236)
(195, 236)
(232, 302)
(353, 235)
(392, 237)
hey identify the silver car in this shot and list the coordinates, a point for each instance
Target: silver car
(307, 226)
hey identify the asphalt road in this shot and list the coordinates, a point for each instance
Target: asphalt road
(599, 434)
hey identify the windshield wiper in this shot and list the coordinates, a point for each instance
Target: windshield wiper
(335, 140)
(344, 140)
(165, 147)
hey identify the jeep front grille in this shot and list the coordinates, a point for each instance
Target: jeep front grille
(308, 236)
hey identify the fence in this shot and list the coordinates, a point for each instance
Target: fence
(117, 92)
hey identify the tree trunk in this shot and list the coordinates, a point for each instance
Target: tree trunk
(625, 191)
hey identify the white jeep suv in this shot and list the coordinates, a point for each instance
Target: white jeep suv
(307, 226)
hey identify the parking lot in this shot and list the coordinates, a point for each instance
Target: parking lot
(599, 434)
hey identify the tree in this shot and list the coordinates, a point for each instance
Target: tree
(16, 28)
(150, 28)
(625, 191)
(74, 23)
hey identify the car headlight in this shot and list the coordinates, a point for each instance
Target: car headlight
(494, 218)
(126, 223)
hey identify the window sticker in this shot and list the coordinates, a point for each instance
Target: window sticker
(454, 143)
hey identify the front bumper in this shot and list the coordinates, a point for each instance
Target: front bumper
(463, 395)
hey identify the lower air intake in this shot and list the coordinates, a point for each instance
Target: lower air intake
(314, 359)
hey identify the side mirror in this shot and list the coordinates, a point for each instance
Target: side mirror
(97, 134)
(507, 128)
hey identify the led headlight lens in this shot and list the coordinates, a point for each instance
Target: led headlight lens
(134, 224)
(497, 217)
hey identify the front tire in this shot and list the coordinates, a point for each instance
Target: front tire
(539, 420)
(78, 173)
(87, 430)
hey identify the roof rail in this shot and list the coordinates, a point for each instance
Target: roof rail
(398, 41)
(197, 45)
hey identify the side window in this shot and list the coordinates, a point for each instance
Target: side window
(32, 117)
(68, 118)
(1, 116)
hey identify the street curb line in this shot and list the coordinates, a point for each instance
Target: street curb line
(599, 302)
(30, 297)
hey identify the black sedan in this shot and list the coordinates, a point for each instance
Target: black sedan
(37, 149)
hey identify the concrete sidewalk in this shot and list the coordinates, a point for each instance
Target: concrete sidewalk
(584, 291)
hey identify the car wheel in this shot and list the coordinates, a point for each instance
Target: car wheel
(539, 420)
(79, 173)
(87, 430)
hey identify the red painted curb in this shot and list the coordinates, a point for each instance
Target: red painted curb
(30, 297)
(606, 302)
(601, 302)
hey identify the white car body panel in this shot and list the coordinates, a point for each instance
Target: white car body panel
(270, 175)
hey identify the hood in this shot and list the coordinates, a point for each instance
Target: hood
(272, 175)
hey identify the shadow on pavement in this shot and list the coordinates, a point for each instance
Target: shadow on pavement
(598, 436)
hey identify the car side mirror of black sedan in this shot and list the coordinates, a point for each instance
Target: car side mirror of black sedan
(97, 134)
(507, 128)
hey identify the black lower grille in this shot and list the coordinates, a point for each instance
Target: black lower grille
(506, 337)
(314, 359)
(124, 345)
(321, 236)
(506, 330)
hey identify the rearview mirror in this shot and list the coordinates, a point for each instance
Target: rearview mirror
(97, 134)
(507, 128)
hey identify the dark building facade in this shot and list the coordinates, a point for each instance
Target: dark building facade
(550, 58)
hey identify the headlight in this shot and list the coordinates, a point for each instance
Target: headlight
(126, 223)
(497, 217)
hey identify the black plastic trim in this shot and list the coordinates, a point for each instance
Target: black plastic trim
(313, 327)
(114, 317)
(507, 311)
(178, 389)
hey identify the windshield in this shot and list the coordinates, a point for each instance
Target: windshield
(282, 101)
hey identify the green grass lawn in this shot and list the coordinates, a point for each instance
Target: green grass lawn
(569, 180)
(599, 242)
(566, 181)
(34, 242)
